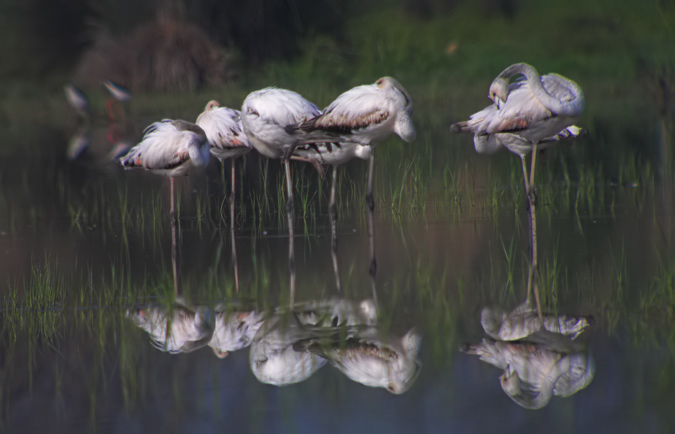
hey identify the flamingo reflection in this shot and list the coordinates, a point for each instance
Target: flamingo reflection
(234, 330)
(367, 356)
(538, 368)
(273, 358)
(174, 329)
(524, 320)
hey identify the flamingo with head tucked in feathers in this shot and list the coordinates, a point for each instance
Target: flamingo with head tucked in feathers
(265, 115)
(364, 115)
(169, 148)
(225, 133)
(527, 115)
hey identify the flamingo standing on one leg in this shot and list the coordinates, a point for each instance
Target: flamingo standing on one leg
(227, 139)
(527, 115)
(170, 148)
(225, 133)
(365, 115)
(265, 116)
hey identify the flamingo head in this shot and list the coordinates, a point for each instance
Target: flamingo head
(499, 91)
(392, 83)
(213, 104)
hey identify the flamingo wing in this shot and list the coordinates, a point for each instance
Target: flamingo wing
(163, 147)
(223, 128)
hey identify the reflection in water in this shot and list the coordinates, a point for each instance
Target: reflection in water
(288, 347)
(524, 320)
(177, 329)
(114, 105)
(536, 368)
(536, 349)
(78, 101)
(366, 356)
(273, 357)
(234, 330)
(78, 143)
(278, 355)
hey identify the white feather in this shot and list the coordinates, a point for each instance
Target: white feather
(224, 131)
(367, 115)
(266, 113)
(168, 150)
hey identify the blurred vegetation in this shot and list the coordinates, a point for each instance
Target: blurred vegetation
(438, 43)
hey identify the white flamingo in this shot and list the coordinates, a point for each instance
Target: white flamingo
(365, 115)
(266, 114)
(227, 139)
(526, 115)
(169, 148)
(225, 133)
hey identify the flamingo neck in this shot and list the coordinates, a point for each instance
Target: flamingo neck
(552, 104)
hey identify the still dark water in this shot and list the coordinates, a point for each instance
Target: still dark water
(88, 270)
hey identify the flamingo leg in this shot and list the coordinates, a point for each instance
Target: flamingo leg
(332, 206)
(289, 186)
(372, 270)
(533, 196)
(232, 224)
(532, 279)
(291, 258)
(291, 232)
(174, 242)
(333, 228)
(534, 269)
(370, 200)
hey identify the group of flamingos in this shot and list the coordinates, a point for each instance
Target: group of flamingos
(525, 115)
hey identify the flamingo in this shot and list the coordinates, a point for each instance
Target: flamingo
(120, 95)
(265, 116)
(365, 115)
(227, 139)
(526, 115)
(225, 133)
(169, 148)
